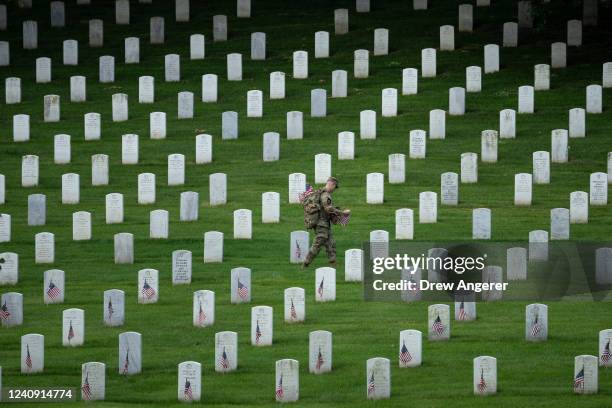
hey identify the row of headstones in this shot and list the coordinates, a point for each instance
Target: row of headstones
(378, 371)
(449, 194)
(57, 11)
(297, 181)
(561, 218)
(172, 71)
(30, 28)
(378, 378)
(294, 129)
(523, 182)
(516, 261)
(146, 84)
(439, 329)
(148, 292)
(299, 244)
(318, 106)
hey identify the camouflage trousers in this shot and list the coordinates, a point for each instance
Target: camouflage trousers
(323, 237)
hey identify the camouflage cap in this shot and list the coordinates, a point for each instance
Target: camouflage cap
(335, 180)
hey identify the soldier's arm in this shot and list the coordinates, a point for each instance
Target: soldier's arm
(328, 206)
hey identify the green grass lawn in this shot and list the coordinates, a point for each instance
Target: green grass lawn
(528, 374)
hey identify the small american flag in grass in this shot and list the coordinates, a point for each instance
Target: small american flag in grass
(293, 311)
(187, 391)
(126, 364)
(579, 380)
(307, 191)
(320, 289)
(223, 361)
(405, 356)
(53, 291)
(605, 354)
(70, 332)
(536, 327)
(298, 250)
(243, 291)
(320, 360)
(462, 315)
(110, 309)
(482, 384)
(4, 312)
(147, 291)
(371, 384)
(257, 333)
(86, 388)
(28, 357)
(201, 315)
(437, 326)
(279, 388)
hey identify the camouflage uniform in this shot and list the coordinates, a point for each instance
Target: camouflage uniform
(323, 233)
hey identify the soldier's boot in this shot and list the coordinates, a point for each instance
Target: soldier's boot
(307, 261)
(332, 263)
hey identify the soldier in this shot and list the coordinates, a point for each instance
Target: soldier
(323, 233)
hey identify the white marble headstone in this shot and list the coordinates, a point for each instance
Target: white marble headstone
(367, 124)
(213, 246)
(217, 189)
(261, 326)
(114, 307)
(485, 375)
(410, 348)
(321, 44)
(73, 327)
(189, 206)
(93, 381)
(361, 64)
(397, 168)
(585, 374)
(295, 125)
(325, 284)
(469, 168)
(353, 265)
(53, 286)
(181, 266)
(410, 81)
(299, 246)
(241, 285)
(438, 317)
(32, 353)
(375, 191)
(203, 308)
(378, 378)
(295, 305)
(516, 263)
(197, 50)
(130, 353)
(124, 248)
(209, 88)
(449, 188)
(226, 351)
(320, 351)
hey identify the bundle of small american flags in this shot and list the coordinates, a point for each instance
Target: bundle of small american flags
(307, 191)
(342, 219)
